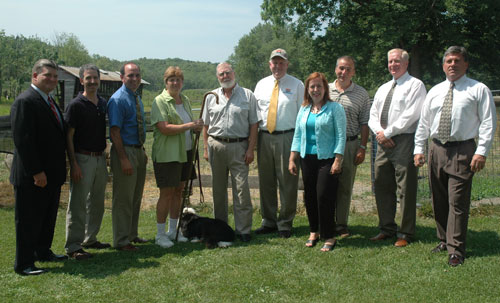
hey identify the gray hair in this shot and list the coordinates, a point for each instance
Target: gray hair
(347, 58)
(456, 50)
(223, 64)
(40, 64)
(404, 54)
(89, 66)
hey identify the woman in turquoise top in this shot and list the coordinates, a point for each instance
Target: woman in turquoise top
(319, 139)
(173, 124)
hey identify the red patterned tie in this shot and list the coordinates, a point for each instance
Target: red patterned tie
(53, 108)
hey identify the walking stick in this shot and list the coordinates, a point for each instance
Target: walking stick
(192, 163)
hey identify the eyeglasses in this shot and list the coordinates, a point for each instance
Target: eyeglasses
(222, 74)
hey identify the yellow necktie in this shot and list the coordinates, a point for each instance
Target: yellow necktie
(273, 108)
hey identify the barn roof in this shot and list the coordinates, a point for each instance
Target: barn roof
(105, 75)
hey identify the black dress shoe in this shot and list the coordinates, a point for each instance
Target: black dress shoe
(245, 237)
(285, 234)
(441, 247)
(455, 260)
(265, 230)
(53, 258)
(97, 245)
(31, 271)
(80, 255)
(139, 240)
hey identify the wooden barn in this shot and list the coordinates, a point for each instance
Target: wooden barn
(69, 84)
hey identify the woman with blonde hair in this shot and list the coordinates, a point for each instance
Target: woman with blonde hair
(173, 126)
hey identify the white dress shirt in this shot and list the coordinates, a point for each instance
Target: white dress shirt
(407, 100)
(473, 114)
(290, 98)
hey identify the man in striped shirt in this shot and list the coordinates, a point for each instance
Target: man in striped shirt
(356, 103)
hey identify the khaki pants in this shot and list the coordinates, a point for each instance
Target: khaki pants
(273, 153)
(395, 173)
(86, 202)
(127, 195)
(228, 158)
(346, 182)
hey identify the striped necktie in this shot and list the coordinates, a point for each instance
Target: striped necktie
(53, 108)
(444, 128)
(385, 110)
(140, 120)
(273, 108)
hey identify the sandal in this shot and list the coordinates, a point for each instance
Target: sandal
(328, 247)
(312, 243)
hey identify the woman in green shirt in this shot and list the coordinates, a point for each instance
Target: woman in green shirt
(173, 126)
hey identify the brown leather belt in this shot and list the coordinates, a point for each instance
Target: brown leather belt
(451, 143)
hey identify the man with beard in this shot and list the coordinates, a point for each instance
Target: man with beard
(86, 118)
(230, 136)
(38, 169)
(455, 112)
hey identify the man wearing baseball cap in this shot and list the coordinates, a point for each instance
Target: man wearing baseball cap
(279, 97)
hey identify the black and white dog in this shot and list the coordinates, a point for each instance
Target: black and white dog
(212, 232)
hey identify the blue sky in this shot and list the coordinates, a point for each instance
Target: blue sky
(195, 30)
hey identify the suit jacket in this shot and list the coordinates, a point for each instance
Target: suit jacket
(39, 140)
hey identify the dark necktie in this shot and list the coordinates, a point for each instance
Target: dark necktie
(140, 120)
(53, 108)
(387, 104)
(444, 129)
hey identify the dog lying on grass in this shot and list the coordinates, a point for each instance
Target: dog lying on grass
(212, 232)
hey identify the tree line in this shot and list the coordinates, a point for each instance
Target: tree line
(316, 33)
(18, 54)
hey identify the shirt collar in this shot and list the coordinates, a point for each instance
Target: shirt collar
(44, 95)
(349, 88)
(459, 81)
(402, 79)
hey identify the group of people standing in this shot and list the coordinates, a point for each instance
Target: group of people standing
(320, 127)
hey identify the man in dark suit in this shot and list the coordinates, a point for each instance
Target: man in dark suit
(38, 168)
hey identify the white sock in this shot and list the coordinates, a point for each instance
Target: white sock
(172, 225)
(160, 227)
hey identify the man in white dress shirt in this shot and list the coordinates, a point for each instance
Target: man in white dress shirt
(393, 118)
(279, 97)
(455, 112)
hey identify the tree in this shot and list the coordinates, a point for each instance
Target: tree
(367, 29)
(70, 51)
(251, 55)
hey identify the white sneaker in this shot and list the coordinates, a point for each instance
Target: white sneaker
(180, 238)
(163, 241)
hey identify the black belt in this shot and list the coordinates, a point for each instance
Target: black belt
(89, 153)
(229, 140)
(451, 143)
(351, 138)
(134, 145)
(278, 132)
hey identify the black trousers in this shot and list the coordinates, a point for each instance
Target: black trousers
(320, 194)
(35, 219)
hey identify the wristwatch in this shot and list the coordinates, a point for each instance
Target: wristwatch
(363, 147)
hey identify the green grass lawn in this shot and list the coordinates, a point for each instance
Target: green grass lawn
(267, 269)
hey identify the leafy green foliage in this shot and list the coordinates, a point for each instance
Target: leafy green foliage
(251, 55)
(366, 30)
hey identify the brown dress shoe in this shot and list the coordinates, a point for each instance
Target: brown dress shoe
(401, 243)
(455, 260)
(139, 240)
(380, 237)
(128, 247)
